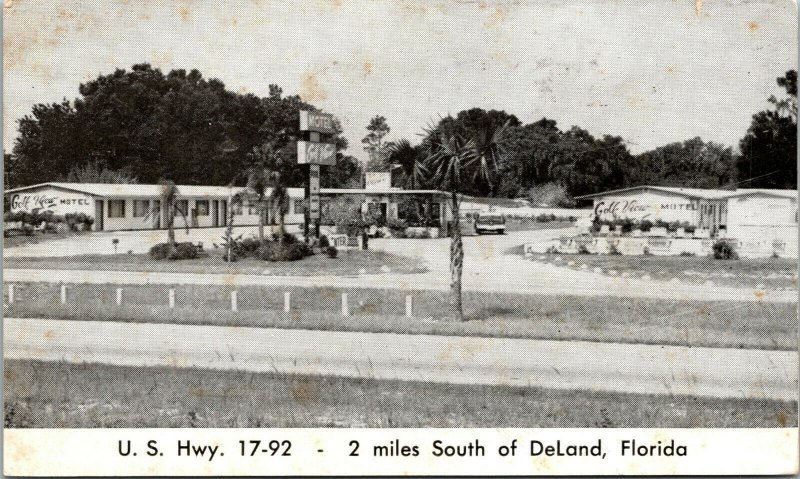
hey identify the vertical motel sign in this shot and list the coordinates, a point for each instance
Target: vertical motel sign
(315, 149)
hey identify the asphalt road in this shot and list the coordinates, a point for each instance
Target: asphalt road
(714, 372)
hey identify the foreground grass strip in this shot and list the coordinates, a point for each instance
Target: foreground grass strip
(626, 320)
(50, 394)
(348, 262)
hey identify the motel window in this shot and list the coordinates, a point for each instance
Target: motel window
(116, 208)
(298, 206)
(202, 207)
(140, 208)
(237, 208)
(183, 207)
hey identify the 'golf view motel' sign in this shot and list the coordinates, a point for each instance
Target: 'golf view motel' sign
(314, 153)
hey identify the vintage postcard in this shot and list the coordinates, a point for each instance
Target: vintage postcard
(351, 237)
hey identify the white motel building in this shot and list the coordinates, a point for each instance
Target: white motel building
(117, 207)
(762, 221)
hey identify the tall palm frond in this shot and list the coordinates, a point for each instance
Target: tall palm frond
(405, 155)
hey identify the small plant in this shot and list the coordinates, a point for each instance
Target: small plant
(613, 249)
(331, 251)
(687, 253)
(582, 249)
(324, 242)
(646, 251)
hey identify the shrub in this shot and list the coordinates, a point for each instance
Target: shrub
(183, 251)
(27, 230)
(686, 253)
(724, 250)
(160, 251)
(331, 251)
(645, 225)
(582, 249)
(173, 252)
(397, 227)
(249, 245)
(272, 251)
(324, 242)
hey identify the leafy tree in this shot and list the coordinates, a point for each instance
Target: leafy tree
(94, 172)
(530, 153)
(153, 125)
(345, 174)
(693, 163)
(769, 148)
(375, 145)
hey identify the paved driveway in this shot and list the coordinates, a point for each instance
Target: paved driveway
(487, 267)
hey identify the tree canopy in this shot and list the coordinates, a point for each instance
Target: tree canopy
(769, 149)
(152, 125)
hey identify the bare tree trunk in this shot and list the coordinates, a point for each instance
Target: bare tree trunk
(456, 262)
(170, 225)
(281, 227)
(229, 231)
(261, 220)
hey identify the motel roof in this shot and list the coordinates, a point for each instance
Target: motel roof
(149, 191)
(697, 193)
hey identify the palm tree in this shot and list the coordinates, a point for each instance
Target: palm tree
(448, 155)
(170, 198)
(279, 196)
(257, 178)
(267, 179)
(488, 152)
(408, 157)
(456, 162)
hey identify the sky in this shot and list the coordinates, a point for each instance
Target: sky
(650, 71)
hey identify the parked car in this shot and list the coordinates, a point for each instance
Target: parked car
(488, 222)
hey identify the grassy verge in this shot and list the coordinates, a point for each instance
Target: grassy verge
(59, 395)
(769, 273)
(36, 237)
(629, 320)
(348, 262)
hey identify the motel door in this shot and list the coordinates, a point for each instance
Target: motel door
(99, 215)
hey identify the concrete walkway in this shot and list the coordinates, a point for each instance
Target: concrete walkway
(647, 369)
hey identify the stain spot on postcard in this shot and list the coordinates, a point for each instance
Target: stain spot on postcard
(312, 90)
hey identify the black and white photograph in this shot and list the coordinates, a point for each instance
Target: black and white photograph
(398, 214)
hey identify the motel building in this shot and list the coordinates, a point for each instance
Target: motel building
(759, 222)
(120, 207)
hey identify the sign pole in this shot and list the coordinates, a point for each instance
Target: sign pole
(316, 149)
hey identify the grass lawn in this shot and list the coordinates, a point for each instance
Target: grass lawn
(348, 262)
(62, 395)
(36, 237)
(769, 273)
(630, 320)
